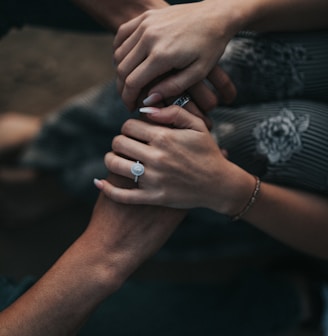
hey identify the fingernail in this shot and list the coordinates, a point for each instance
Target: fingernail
(149, 110)
(98, 184)
(152, 99)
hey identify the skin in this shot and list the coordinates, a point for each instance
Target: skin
(113, 14)
(184, 168)
(181, 44)
(118, 239)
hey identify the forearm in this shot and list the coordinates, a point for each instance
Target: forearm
(119, 238)
(297, 218)
(271, 15)
(291, 15)
(111, 13)
(64, 297)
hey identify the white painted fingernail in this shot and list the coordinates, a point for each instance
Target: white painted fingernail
(152, 99)
(99, 184)
(149, 110)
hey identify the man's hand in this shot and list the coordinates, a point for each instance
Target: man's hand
(130, 233)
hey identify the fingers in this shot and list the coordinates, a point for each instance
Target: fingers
(135, 73)
(193, 109)
(144, 141)
(140, 130)
(126, 30)
(179, 81)
(131, 144)
(126, 196)
(127, 58)
(223, 84)
(145, 132)
(119, 165)
(203, 96)
(177, 117)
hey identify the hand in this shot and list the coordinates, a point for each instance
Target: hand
(118, 239)
(128, 233)
(184, 168)
(184, 41)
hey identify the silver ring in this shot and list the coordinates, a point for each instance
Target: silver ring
(137, 169)
(182, 100)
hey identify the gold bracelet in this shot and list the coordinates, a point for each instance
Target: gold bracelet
(251, 201)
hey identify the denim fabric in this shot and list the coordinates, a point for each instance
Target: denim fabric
(10, 290)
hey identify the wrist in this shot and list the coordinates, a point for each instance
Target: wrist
(239, 14)
(236, 192)
(252, 199)
(100, 264)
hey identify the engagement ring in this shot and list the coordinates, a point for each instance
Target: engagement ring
(137, 169)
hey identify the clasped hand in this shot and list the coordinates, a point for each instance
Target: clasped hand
(184, 168)
(171, 50)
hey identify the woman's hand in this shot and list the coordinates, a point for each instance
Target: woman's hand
(184, 168)
(180, 43)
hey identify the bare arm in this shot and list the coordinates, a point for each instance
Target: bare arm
(295, 217)
(281, 15)
(118, 239)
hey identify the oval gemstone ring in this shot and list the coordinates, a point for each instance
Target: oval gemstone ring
(137, 169)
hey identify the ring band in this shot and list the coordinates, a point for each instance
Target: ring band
(137, 169)
(182, 100)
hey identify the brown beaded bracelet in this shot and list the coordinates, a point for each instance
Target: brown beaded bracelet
(251, 201)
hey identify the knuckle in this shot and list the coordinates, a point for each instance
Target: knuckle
(114, 164)
(121, 29)
(158, 54)
(211, 102)
(120, 70)
(117, 196)
(161, 196)
(162, 139)
(130, 83)
(159, 160)
(107, 160)
(149, 12)
(128, 126)
(146, 17)
(224, 81)
(175, 110)
(201, 71)
(174, 88)
(117, 143)
(117, 56)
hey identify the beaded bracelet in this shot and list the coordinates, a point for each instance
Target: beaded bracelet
(251, 201)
